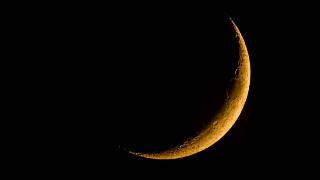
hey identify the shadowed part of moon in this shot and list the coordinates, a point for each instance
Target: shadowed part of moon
(220, 113)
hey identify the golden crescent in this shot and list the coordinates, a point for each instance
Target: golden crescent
(222, 122)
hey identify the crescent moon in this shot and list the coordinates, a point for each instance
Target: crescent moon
(222, 122)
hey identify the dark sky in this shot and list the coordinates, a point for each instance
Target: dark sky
(107, 68)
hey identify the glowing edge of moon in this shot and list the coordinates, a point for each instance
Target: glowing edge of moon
(222, 121)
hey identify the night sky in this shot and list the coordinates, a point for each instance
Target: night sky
(120, 77)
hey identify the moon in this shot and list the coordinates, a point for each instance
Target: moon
(222, 121)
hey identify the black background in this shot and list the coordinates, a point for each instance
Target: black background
(81, 74)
